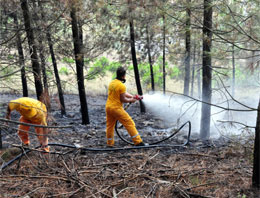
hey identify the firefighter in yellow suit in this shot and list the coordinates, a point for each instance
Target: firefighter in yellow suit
(32, 111)
(117, 95)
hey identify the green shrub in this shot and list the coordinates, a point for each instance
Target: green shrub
(98, 69)
(174, 72)
(112, 67)
(68, 60)
(10, 57)
(64, 71)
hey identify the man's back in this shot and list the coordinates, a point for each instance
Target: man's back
(115, 88)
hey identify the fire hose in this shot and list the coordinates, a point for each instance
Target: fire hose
(151, 145)
(82, 148)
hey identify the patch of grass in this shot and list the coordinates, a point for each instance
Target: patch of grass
(194, 179)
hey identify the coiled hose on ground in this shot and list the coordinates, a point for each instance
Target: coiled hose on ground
(151, 145)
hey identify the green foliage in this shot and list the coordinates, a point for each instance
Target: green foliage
(5, 71)
(112, 67)
(194, 180)
(49, 59)
(68, 60)
(98, 69)
(64, 71)
(10, 57)
(241, 196)
(49, 73)
(144, 70)
(174, 72)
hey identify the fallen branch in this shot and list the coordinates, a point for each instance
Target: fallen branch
(207, 184)
(34, 125)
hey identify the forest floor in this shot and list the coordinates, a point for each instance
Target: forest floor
(223, 168)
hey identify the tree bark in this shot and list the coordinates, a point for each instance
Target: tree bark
(164, 71)
(134, 59)
(199, 75)
(21, 56)
(150, 58)
(54, 62)
(206, 71)
(233, 71)
(187, 54)
(256, 165)
(193, 71)
(79, 66)
(56, 73)
(38, 22)
(33, 49)
(1, 142)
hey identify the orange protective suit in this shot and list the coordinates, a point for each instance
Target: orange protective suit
(34, 112)
(115, 111)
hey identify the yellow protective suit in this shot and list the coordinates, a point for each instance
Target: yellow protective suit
(34, 112)
(115, 111)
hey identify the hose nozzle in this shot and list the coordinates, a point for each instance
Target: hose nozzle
(137, 97)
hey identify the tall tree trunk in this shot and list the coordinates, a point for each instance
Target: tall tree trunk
(134, 59)
(150, 57)
(56, 73)
(40, 37)
(54, 63)
(164, 71)
(43, 64)
(256, 165)
(199, 75)
(193, 70)
(79, 66)
(21, 56)
(1, 142)
(33, 50)
(206, 71)
(233, 71)
(187, 54)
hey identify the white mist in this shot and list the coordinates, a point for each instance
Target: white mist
(174, 110)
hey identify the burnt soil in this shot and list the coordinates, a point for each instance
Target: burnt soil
(220, 168)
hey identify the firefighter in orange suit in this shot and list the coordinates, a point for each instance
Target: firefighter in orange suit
(117, 95)
(33, 112)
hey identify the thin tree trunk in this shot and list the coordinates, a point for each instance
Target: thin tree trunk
(164, 72)
(1, 142)
(21, 56)
(150, 58)
(256, 165)
(56, 73)
(134, 59)
(199, 75)
(187, 55)
(193, 71)
(233, 71)
(79, 66)
(43, 64)
(206, 71)
(45, 98)
(41, 38)
(33, 50)
(54, 63)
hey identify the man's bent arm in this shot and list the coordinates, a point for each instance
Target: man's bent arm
(126, 98)
(128, 95)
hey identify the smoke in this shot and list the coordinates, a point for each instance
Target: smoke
(174, 110)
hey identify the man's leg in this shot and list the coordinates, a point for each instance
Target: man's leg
(22, 131)
(111, 121)
(129, 124)
(43, 138)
